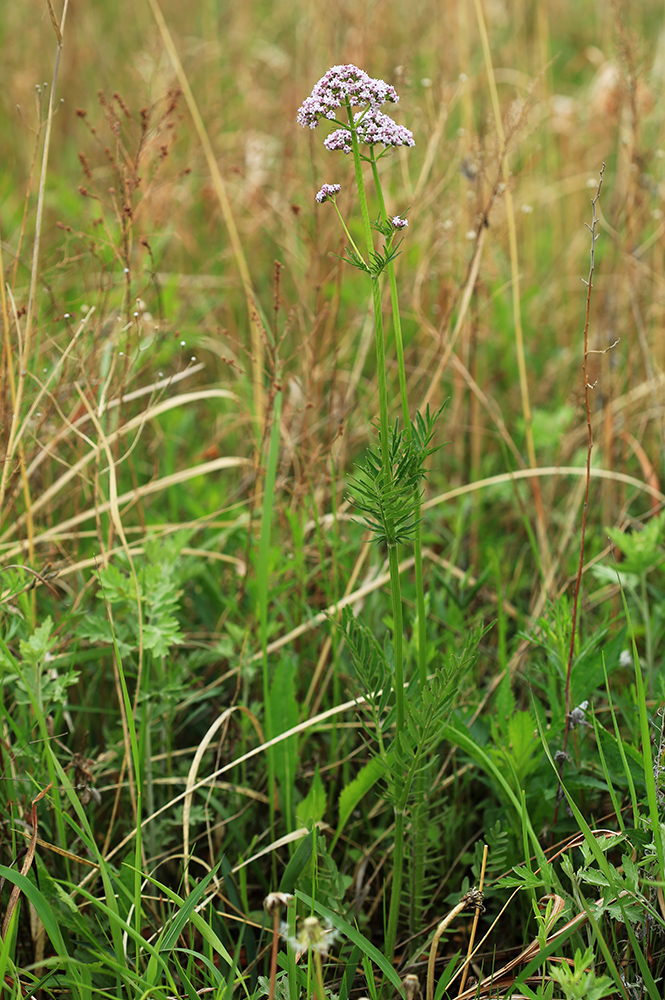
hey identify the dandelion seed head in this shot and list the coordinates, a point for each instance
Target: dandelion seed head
(182, 343)
(313, 935)
(276, 899)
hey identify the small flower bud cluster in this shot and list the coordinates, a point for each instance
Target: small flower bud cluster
(373, 127)
(327, 191)
(399, 223)
(342, 84)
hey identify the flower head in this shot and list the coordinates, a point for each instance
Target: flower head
(342, 84)
(398, 222)
(327, 191)
(274, 900)
(373, 127)
(312, 936)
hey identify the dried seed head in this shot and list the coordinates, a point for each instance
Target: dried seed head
(411, 987)
(274, 900)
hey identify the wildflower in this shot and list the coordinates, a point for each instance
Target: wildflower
(328, 191)
(312, 936)
(399, 223)
(339, 87)
(372, 127)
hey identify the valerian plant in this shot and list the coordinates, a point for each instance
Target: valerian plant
(387, 490)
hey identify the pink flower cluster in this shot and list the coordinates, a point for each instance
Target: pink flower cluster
(327, 191)
(339, 86)
(373, 127)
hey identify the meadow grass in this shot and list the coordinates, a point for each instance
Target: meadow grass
(331, 604)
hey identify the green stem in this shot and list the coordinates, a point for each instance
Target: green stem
(397, 322)
(398, 636)
(398, 873)
(262, 572)
(419, 844)
(318, 979)
(348, 234)
(648, 641)
(401, 368)
(395, 586)
(376, 297)
(398, 854)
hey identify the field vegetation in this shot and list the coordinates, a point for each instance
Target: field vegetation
(332, 532)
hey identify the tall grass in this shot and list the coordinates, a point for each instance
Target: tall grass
(216, 685)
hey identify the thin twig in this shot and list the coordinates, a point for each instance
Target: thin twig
(476, 918)
(472, 898)
(587, 386)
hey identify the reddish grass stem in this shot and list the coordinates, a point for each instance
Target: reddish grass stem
(587, 386)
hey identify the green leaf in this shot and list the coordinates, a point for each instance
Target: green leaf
(523, 878)
(297, 864)
(44, 911)
(199, 922)
(313, 806)
(352, 793)
(173, 929)
(35, 649)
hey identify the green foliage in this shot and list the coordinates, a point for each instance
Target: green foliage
(155, 588)
(643, 549)
(389, 493)
(35, 679)
(580, 982)
(377, 262)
